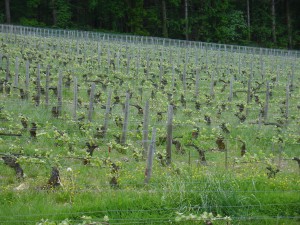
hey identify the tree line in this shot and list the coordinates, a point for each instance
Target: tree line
(267, 23)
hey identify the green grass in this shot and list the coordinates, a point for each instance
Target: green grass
(226, 194)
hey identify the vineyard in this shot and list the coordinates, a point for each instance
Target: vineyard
(113, 129)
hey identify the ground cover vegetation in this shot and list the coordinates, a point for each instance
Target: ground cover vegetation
(80, 115)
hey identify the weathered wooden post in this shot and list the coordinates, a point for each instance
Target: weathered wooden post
(99, 55)
(260, 120)
(226, 156)
(38, 86)
(231, 89)
(27, 79)
(145, 129)
(125, 124)
(107, 111)
(138, 63)
(206, 58)
(173, 76)
(281, 149)
(118, 61)
(128, 63)
(212, 85)
(161, 68)
(148, 66)
(169, 134)
(277, 75)
(249, 91)
(184, 75)
(197, 83)
(108, 58)
(47, 86)
(77, 47)
(84, 51)
(287, 99)
(7, 77)
(16, 81)
(263, 71)
(91, 104)
(148, 171)
(292, 77)
(59, 94)
(266, 108)
(75, 100)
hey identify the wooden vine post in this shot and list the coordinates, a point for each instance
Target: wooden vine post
(75, 99)
(169, 134)
(161, 68)
(27, 79)
(16, 81)
(231, 89)
(226, 156)
(38, 86)
(173, 76)
(171, 56)
(206, 59)
(47, 86)
(148, 171)
(91, 105)
(260, 120)
(262, 71)
(249, 90)
(138, 63)
(197, 83)
(118, 60)
(145, 129)
(59, 94)
(277, 75)
(108, 59)
(7, 69)
(287, 102)
(125, 124)
(128, 63)
(281, 149)
(184, 75)
(99, 54)
(266, 107)
(148, 66)
(84, 51)
(107, 111)
(212, 81)
(292, 77)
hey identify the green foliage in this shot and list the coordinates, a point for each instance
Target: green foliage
(232, 28)
(33, 3)
(64, 14)
(2, 17)
(209, 21)
(136, 15)
(31, 22)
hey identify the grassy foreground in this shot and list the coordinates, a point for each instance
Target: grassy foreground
(247, 196)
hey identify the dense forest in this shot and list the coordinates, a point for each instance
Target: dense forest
(267, 23)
